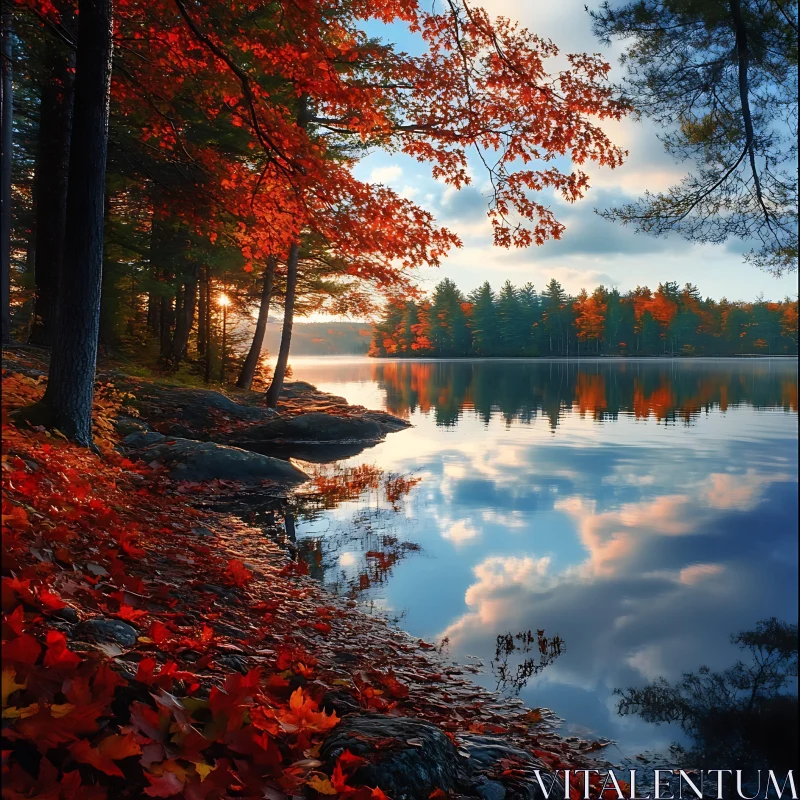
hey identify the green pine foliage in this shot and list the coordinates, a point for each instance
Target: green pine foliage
(523, 322)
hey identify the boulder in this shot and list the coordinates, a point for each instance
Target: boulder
(387, 422)
(407, 758)
(487, 753)
(190, 460)
(314, 427)
(190, 413)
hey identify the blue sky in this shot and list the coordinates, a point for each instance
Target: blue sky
(592, 250)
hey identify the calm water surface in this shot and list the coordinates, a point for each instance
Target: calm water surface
(642, 510)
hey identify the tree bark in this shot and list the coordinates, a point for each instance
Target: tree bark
(166, 316)
(185, 320)
(275, 387)
(152, 312)
(67, 403)
(7, 102)
(109, 297)
(274, 391)
(201, 313)
(207, 373)
(251, 362)
(50, 189)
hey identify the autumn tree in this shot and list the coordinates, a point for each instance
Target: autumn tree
(590, 315)
(67, 403)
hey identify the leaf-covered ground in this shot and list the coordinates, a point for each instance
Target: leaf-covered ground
(216, 688)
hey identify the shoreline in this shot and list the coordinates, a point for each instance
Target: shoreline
(125, 590)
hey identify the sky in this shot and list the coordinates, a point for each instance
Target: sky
(592, 250)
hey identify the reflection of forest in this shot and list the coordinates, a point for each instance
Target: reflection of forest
(368, 538)
(520, 390)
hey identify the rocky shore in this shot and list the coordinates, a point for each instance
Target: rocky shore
(153, 574)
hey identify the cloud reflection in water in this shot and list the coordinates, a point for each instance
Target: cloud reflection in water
(642, 512)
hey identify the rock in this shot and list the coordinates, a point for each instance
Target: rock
(141, 439)
(340, 702)
(388, 423)
(102, 629)
(489, 790)
(406, 771)
(314, 452)
(68, 614)
(181, 430)
(190, 460)
(125, 426)
(190, 413)
(314, 427)
(485, 755)
(292, 389)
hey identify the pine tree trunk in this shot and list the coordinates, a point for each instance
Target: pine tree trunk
(274, 391)
(251, 362)
(185, 320)
(109, 298)
(166, 317)
(67, 403)
(7, 103)
(152, 312)
(207, 375)
(201, 313)
(50, 189)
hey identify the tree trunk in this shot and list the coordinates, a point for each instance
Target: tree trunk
(201, 313)
(274, 391)
(67, 403)
(152, 312)
(166, 316)
(7, 102)
(185, 320)
(207, 375)
(109, 297)
(251, 362)
(50, 189)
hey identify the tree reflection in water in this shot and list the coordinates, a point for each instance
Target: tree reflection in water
(745, 717)
(667, 390)
(512, 678)
(360, 557)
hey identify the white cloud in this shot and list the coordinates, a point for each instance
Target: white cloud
(461, 532)
(386, 175)
(698, 572)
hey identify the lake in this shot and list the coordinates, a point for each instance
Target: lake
(642, 510)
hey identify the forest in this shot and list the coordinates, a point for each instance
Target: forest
(523, 322)
(202, 169)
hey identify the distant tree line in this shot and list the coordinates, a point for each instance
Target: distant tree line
(523, 322)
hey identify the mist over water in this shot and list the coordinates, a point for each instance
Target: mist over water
(642, 510)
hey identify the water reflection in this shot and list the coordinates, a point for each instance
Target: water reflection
(362, 556)
(520, 391)
(552, 496)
